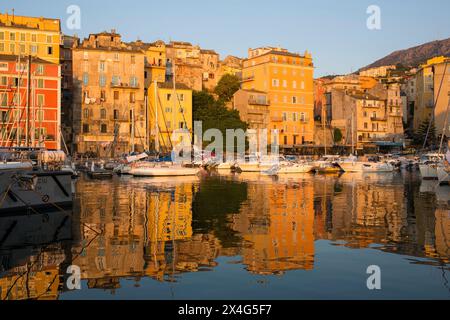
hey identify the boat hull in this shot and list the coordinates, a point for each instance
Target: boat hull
(28, 191)
(296, 169)
(366, 167)
(443, 175)
(164, 172)
(428, 171)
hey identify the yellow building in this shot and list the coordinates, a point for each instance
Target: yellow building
(288, 80)
(428, 82)
(39, 37)
(173, 110)
(155, 61)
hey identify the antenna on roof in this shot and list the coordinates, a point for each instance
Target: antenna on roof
(13, 15)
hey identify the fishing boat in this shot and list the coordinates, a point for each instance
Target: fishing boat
(29, 189)
(327, 165)
(163, 170)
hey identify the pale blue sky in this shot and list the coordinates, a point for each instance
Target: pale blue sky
(334, 31)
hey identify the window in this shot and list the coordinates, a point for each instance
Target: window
(40, 83)
(85, 78)
(102, 80)
(133, 59)
(103, 95)
(294, 84)
(85, 128)
(49, 39)
(12, 36)
(40, 100)
(294, 100)
(40, 115)
(275, 82)
(12, 48)
(4, 81)
(116, 114)
(33, 38)
(181, 97)
(86, 113)
(102, 66)
(2, 35)
(49, 50)
(22, 37)
(295, 116)
(365, 125)
(115, 80)
(4, 100)
(302, 117)
(132, 97)
(168, 97)
(116, 95)
(103, 128)
(2, 47)
(40, 69)
(284, 117)
(133, 82)
(103, 114)
(168, 110)
(22, 48)
(116, 56)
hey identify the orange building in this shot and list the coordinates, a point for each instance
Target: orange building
(288, 80)
(41, 124)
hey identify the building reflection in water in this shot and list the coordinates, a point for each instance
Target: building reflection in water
(161, 228)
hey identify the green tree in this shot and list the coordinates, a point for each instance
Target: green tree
(337, 135)
(421, 134)
(214, 114)
(227, 87)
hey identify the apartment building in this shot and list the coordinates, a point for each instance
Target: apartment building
(432, 93)
(109, 112)
(170, 109)
(35, 36)
(287, 78)
(33, 121)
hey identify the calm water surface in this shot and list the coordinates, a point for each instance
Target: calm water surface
(235, 237)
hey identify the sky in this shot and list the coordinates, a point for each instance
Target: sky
(335, 32)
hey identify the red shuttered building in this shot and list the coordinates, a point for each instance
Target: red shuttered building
(44, 116)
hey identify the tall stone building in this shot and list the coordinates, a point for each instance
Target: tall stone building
(287, 78)
(109, 112)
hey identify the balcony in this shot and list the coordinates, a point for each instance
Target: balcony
(276, 119)
(124, 86)
(259, 102)
(119, 119)
(370, 105)
(379, 119)
(248, 79)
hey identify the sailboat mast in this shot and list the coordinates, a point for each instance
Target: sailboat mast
(353, 133)
(27, 123)
(444, 130)
(156, 118)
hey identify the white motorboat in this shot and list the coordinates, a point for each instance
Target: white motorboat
(123, 169)
(163, 170)
(352, 164)
(295, 168)
(443, 173)
(429, 164)
(11, 165)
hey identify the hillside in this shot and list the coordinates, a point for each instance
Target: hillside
(414, 56)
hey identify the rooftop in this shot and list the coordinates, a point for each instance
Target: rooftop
(169, 85)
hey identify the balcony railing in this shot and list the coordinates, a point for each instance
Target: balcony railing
(259, 102)
(378, 119)
(124, 85)
(119, 118)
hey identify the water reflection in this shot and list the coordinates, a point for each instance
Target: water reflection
(164, 228)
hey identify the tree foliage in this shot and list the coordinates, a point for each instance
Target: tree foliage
(214, 114)
(227, 87)
(337, 135)
(421, 134)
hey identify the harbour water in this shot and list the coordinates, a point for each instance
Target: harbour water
(235, 236)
